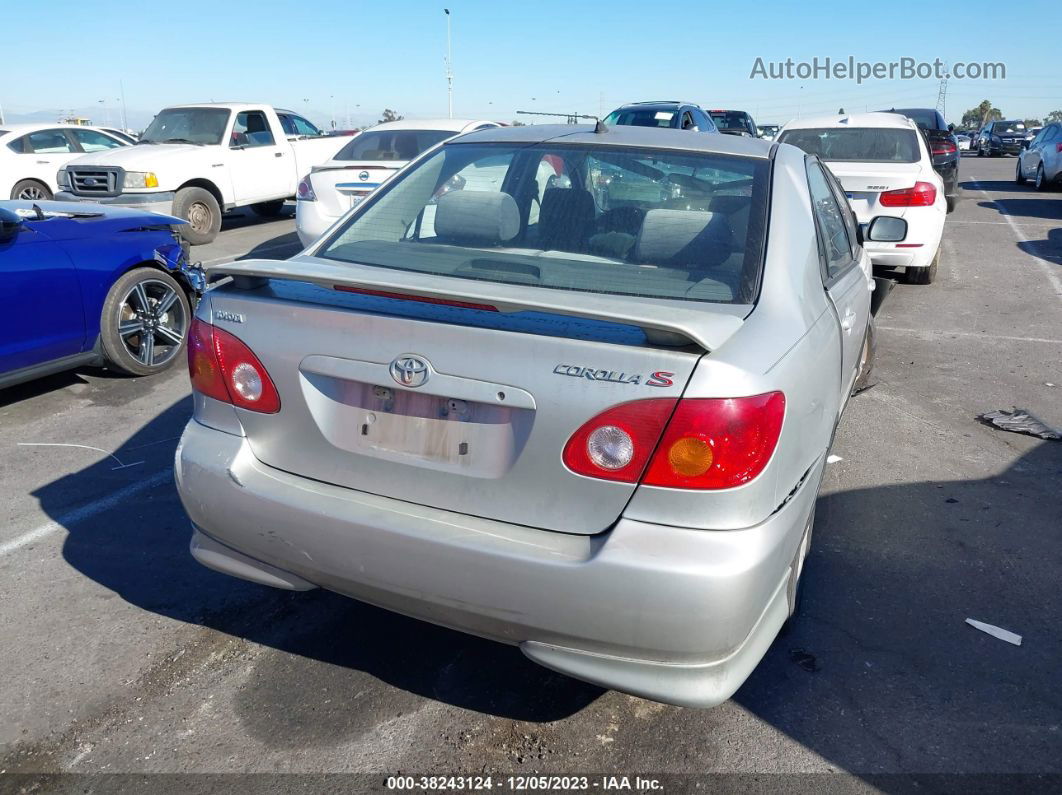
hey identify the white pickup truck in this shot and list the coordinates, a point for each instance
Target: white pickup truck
(198, 161)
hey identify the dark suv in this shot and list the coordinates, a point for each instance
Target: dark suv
(667, 113)
(943, 146)
(1001, 138)
(734, 122)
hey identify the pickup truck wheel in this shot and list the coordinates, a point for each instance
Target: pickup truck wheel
(200, 209)
(268, 209)
(30, 190)
(923, 275)
(145, 322)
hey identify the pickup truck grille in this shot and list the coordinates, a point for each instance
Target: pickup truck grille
(96, 180)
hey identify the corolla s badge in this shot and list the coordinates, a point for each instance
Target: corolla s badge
(364, 175)
(411, 371)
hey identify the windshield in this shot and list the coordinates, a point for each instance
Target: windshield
(597, 219)
(1006, 127)
(859, 144)
(640, 118)
(187, 126)
(392, 144)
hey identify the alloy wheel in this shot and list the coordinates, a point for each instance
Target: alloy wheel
(152, 322)
(31, 193)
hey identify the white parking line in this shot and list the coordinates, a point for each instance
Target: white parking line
(1053, 277)
(934, 333)
(85, 511)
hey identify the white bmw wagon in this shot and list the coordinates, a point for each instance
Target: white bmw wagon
(582, 407)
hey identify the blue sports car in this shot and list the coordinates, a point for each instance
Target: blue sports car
(91, 285)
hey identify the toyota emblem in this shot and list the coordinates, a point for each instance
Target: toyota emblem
(364, 175)
(411, 371)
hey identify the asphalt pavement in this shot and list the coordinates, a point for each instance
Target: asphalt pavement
(121, 655)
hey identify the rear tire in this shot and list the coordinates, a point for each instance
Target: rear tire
(200, 209)
(145, 321)
(1019, 178)
(30, 190)
(866, 360)
(268, 209)
(922, 275)
(1041, 183)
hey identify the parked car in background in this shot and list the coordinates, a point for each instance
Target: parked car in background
(31, 154)
(962, 140)
(595, 434)
(91, 285)
(884, 165)
(363, 164)
(1032, 132)
(295, 126)
(1041, 160)
(943, 146)
(197, 161)
(124, 135)
(734, 122)
(768, 131)
(999, 138)
(663, 114)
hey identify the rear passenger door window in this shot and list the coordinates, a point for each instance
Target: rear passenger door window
(49, 142)
(92, 141)
(829, 218)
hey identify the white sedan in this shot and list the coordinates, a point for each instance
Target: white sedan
(885, 168)
(31, 154)
(366, 162)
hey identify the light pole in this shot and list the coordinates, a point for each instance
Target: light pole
(333, 98)
(449, 67)
(125, 119)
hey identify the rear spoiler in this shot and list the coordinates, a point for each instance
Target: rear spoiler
(665, 322)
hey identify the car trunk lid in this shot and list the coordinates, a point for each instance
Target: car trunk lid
(864, 183)
(339, 185)
(464, 405)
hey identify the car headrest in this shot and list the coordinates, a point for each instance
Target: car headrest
(477, 216)
(683, 238)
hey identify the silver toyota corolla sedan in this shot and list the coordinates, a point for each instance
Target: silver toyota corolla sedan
(566, 388)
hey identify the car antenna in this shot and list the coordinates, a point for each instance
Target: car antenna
(599, 126)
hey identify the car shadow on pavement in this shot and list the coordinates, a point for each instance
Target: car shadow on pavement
(1038, 207)
(237, 219)
(879, 673)
(279, 247)
(139, 550)
(1048, 249)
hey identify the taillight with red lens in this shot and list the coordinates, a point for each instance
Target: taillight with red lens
(943, 148)
(304, 192)
(616, 444)
(923, 194)
(717, 443)
(222, 367)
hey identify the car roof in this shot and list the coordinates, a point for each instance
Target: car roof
(454, 125)
(622, 135)
(23, 127)
(887, 120)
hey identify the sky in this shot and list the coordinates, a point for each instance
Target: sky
(347, 61)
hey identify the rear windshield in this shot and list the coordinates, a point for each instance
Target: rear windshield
(596, 219)
(392, 144)
(926, 119)
(860, 144)
(640, 117)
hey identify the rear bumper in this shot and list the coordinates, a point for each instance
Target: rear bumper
(667, 613)
(311, 222)
(149, 202)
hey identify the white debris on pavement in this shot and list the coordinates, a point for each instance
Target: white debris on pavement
(833, 459)
(995, 632)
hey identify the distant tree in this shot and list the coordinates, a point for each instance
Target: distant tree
(390, 115)
(983, 113)
(1033, 123)
(841, 111)
(1053, 116)
(517, 124)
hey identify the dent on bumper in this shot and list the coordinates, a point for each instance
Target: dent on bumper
(668, 613)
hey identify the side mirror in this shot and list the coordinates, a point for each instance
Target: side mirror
(887, 229)
(10, 225)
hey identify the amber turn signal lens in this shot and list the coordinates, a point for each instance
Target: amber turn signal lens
(690, 456)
